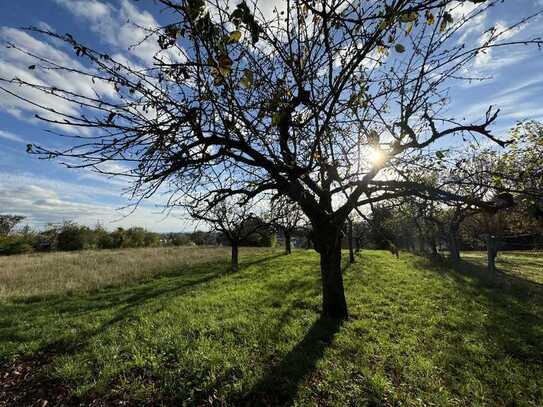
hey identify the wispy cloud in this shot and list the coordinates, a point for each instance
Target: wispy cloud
(44, 201)
(126, 28)
(11, 136)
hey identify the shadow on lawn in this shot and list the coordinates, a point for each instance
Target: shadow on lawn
(16, 316)
(514, 322)
(114, 305)
(279, 386)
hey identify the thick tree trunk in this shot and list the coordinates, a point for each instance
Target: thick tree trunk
(288, 249)
(327, 241)
(235, 266)
(350, 238)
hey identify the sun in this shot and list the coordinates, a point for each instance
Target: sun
(376, 156)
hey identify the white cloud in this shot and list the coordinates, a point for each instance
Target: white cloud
(44, 201)
(15, 64)
(500, 33)
(11, 136)
(126, 28)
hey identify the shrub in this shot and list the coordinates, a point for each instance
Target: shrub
(75, 237)
(10, 245)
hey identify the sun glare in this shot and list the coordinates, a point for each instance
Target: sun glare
(376, 156)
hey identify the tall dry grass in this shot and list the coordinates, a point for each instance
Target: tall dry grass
(43, 274)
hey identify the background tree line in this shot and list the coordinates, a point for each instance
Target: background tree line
(70, 236)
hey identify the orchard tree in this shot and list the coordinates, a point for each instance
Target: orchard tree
(325, 102)
(520, 169)
(287, 217)
(234, 221)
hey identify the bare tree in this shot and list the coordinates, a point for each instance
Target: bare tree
(287, 218)
(324, 102)
(236, 222)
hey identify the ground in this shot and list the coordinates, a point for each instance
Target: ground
(173, 327)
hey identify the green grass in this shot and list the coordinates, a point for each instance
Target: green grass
(525, 264)
(419, 334)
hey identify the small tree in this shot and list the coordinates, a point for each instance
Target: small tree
(287, 217)
(236, 222)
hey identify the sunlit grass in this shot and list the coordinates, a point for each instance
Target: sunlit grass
(419, 334)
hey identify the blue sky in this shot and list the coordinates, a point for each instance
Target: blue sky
(46, 192)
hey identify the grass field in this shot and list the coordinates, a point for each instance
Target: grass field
(172, 327)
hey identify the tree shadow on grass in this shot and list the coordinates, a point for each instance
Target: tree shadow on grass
(514, 322)
(18, 315)
(108, 307)
(245, 264)
(280, 385)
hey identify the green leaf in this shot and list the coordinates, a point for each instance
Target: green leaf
(446, 19)
(276, 118)
(373, 137)
(399, 48)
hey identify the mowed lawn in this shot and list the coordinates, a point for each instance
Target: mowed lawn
(173, 327)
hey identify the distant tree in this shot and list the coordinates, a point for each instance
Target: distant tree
(520, 169)
(134, 237)
(72, 236)
(8, 223)
(118, 237)
(202, 238)
(287, 217)
(236, 222)
(350, 239)
(325, 103)
(179, 239)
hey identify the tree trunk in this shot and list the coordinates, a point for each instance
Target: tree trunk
(492, 251)
(288, 249)
(327, 241)
(454, 249)
(235, 266)
(433, 248)
(357, 241)
(350, 238)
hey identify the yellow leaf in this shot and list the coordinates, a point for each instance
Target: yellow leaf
(430, 19)
(234, 36)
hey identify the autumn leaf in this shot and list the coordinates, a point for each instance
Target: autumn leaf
(234, 36)
(247, 79)
(430, 19)
(409, 17)
(399, 48)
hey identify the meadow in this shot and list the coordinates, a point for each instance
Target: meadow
(171, 326)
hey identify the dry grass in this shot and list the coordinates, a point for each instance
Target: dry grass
(44, 274)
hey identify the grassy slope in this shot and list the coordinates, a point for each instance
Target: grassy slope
(419, 335)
